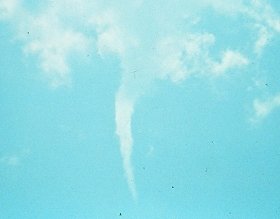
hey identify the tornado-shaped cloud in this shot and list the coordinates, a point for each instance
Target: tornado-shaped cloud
(124, 110)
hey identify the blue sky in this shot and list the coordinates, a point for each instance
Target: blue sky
(139, 109)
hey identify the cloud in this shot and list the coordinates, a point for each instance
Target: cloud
(150, 151)
(230, 59)
(12, 160)
(263, 18)
(15, 159)
(46, 34)
(263, 13)
(47, 37)
(182, 57)
(8, 8)
(110, 38)
(262, 108)
(266, 22)
(264, 36)
(124, 109)
(227, 7)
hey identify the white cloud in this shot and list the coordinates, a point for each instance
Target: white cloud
(258, 12)
(181, 57)
(150, 151)
(110, 41)
(263, 39)
(48, 38)
(14, 160)
(8, 8)
(124, 110)
(227, 7)
(262, 108)
(263, 13)
(111, 36)
(265, 19)
(230, 59)
(46, 34)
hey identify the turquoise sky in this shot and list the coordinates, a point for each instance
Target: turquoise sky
(139, 109)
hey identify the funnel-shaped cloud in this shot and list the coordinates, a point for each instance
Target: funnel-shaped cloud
(124, 110)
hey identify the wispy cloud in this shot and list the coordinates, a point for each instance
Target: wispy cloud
(262, 108)
(266, 21)
(263, 18)
(263, 13)
(183, 56)
(150, 151)
(230, 59)
(48, 38)
(8, 8)
(14, 159)
(110, 36)
(264, 36)
(190, 55)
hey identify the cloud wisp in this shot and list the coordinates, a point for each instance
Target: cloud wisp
(8, 8)
(262, 108)
(53, 44)
(14, 160)
(190, 55)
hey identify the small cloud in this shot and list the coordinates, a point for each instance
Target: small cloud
(262, 15)
(230, 59)
(228, 7)
(150, 151)
(262, 108)
(53, 43)
(262, 12)
(46, 35)
(109, 34)
(111, 37)
(180, 57)
(265, 19)
(263, 39)
(14, 159)
(8, 8)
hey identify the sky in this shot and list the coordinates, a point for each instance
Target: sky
(139, 109)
